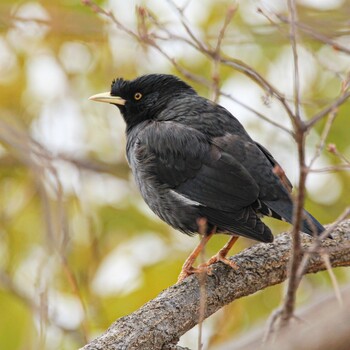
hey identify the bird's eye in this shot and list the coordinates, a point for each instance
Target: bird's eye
(138, 96)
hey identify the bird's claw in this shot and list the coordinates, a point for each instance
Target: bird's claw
(216, 258)
(185, 272)
(205, 267)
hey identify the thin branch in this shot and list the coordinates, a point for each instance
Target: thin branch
(315, 35)
(257, 78)
(258, 114)
(323, 113)
(99, 10)
(332, 148)
(216, 59)
(331, 169)
(335, 283)
(293, 40)
(197, 43)
(325, 133)
(315, 247)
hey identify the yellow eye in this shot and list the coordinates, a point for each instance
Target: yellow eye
(138, 96)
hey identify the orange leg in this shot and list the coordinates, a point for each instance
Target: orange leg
(187, 268)
(221, 255)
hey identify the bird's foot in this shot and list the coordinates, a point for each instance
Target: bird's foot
(216, 258)
(205, 267)
(188, 271)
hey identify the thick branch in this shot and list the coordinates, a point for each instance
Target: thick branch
(172, 313)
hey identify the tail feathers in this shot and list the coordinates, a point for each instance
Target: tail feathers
(311, 225)
(284, 209)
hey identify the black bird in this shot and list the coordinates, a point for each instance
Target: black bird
(196, 166)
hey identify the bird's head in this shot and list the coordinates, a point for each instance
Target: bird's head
(144, 97)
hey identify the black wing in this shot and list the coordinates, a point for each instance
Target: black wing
(186, 161)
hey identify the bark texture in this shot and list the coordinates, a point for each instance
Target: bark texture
(161, 322)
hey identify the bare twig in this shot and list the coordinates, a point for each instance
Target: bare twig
(216, 58)
(332, 148)
(325, 132)
(315, 247)
(315, 35)
(293, 40)
(184, 22)
(335, 284)
(331, 169)
(323, 113)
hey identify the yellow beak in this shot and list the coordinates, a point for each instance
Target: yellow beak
(108, 98)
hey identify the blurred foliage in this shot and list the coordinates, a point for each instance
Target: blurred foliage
(78, 247)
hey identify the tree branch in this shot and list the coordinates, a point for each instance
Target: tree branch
(163, 320)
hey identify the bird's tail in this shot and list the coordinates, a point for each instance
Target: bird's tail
(284, 209)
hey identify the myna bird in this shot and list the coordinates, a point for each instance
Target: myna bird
(196, 166)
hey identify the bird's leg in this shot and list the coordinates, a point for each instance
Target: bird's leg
(221, 255)
(187, 268)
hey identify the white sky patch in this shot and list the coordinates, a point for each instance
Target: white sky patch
(251, 95)
(281, 71)
(190, 338)
(322, 5)
(75, 57)
(65, 310)
(324, 188)
(35, 272)
(121, 270)
(124, 10)
(46, 79)
(181, 242)
(106, 132)
(116, 275)
(103, 188)
(334, 60)
(32, 29)
(60, 127)
(318, 185)
(33, 277)
(68, 176)
(54, 336)
(249, 10)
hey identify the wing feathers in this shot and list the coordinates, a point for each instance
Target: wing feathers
(230, 178)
